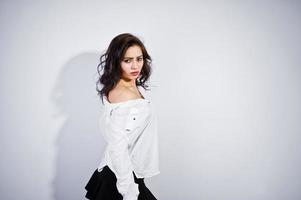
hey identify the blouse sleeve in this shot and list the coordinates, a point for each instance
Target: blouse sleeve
(122, 120)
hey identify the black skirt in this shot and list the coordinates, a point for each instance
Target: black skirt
(102, 186)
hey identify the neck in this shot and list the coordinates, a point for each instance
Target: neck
(127, 82)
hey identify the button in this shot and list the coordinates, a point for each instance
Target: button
(134, 118)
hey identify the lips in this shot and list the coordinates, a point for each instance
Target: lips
(135, 73)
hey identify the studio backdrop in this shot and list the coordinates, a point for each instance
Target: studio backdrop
(226, 85)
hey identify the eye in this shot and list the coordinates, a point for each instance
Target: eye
(127, 61)
(140, 59)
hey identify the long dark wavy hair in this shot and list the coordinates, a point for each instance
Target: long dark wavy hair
(109, 69)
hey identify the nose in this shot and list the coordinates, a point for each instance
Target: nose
(135, 64)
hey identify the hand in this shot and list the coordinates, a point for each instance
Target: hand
(132, 193)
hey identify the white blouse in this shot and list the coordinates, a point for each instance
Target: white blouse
(130, 129)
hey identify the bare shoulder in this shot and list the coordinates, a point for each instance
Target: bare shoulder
(120, 94)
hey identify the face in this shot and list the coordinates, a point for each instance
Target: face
(132, 62)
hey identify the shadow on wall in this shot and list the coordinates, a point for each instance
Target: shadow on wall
(80, 143)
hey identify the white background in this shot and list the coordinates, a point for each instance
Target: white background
(227, 91)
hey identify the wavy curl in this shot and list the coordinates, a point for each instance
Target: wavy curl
(109, 69)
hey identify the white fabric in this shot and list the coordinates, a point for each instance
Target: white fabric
(130, 129)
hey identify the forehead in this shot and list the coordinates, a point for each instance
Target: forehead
(132, 51)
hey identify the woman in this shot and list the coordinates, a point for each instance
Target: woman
(129, 124)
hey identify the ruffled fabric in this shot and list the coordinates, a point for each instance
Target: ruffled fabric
(102, 186)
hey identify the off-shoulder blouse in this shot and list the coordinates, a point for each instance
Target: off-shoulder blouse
(130, 130)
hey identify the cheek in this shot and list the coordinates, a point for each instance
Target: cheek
(126, 67)
(141, 63)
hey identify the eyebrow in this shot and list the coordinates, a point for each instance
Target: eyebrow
(132, 57)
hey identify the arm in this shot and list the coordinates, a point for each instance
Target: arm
(121, 121)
